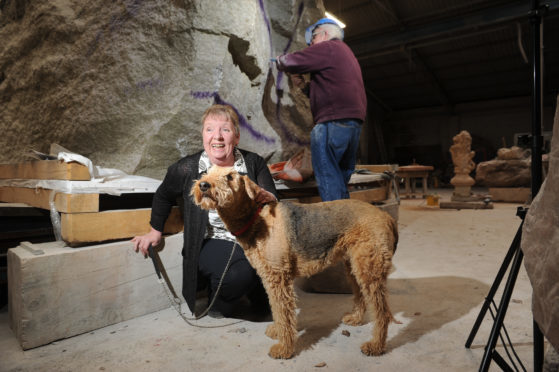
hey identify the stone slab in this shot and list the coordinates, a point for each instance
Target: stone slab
(465, 205)
(55, 292)
(511, 194)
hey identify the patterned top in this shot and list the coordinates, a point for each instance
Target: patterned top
(216, 228)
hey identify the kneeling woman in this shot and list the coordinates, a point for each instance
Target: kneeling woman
(207, 244)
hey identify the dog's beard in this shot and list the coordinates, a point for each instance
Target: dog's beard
(213, 200)
(206, 202)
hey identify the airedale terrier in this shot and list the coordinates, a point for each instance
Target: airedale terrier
(285, 240)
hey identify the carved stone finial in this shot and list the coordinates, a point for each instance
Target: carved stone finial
(463, 164)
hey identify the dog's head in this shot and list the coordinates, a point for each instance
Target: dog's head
(223, 188)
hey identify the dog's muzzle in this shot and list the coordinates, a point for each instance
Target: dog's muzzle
(204, 186)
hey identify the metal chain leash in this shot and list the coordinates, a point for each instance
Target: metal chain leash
(176, 303)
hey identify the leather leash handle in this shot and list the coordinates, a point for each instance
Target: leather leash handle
(151, 253)
(161, 272)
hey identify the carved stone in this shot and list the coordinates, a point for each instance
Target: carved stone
(462, 156)
(540, 242)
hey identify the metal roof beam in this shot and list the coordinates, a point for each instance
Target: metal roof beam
(414, 55)
(488, 17)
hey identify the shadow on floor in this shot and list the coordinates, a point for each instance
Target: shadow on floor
(422, 304)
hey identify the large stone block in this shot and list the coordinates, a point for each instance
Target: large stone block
(126, 82)
(540, 243)
(56, 292)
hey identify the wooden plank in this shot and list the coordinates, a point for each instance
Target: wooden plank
(368, 195)
(110, 225)
(65, 292)
(45, 170)
(377, 168)
(40, 198)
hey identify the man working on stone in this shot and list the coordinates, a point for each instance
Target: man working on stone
(338, 104)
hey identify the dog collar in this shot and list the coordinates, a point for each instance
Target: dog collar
(249, 223)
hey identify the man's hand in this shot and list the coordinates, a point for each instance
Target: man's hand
(142, 242)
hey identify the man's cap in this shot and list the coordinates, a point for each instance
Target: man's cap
(310, 29)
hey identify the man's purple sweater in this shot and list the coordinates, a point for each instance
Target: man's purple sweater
(336, 88)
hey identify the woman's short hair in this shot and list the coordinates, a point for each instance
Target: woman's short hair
(225, 111)
(334, 31)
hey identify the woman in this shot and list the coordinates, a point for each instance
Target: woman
(207, 244)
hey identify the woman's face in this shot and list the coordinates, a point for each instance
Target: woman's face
(220, 139)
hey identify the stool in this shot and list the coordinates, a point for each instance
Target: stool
(409, 173)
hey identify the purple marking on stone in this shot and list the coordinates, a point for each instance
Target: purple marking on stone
(299, 14)
(242, 120)
(263, 10)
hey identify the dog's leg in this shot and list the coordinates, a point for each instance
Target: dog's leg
(383, 317)
(355, 317)
(371, 273)
(281, 294)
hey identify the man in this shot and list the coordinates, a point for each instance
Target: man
(338, 104)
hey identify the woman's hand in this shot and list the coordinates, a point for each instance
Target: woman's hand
(142, 242)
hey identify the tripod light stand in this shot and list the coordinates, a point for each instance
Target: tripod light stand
(515, 252)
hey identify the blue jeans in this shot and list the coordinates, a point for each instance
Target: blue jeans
(334, 146)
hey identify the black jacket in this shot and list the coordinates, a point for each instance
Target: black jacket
(177, 183)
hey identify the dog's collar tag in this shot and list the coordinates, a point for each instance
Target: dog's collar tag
(249, 223)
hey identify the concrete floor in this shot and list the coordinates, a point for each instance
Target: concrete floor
(445, 264)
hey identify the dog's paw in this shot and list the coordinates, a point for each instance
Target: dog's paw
(372, 348)
(352, 319)
(280, 351)
(272, 331)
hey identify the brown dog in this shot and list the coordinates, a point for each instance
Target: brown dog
(285, 240)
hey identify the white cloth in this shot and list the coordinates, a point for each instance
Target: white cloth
(216, 228)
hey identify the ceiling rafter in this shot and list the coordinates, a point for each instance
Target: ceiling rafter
(369, 44)
(414, 55)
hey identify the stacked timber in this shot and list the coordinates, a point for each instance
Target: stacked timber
(84, 217)
(56, 291)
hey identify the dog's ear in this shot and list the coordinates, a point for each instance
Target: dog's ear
(250, 187)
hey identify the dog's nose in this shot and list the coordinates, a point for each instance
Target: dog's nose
(204, 186)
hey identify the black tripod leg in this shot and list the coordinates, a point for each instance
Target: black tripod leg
(496, 283)
(501, 312)
(538, 348)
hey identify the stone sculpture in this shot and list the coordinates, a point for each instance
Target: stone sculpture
(462, 156)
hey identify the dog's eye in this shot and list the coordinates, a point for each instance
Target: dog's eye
(203, 173)
(229, 177)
